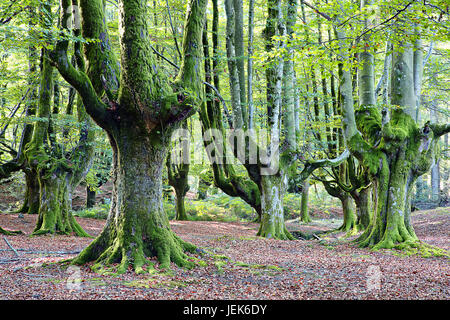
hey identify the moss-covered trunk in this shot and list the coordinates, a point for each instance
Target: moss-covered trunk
(180, 183)
(393, 150)
(180, 209)
(55, 205)
(137, 226)
(272, 224)
(52, 172)
(349, 215)
(31, 201)
(178, 179)
(391, 227)
(408, 153)
(211, 118)
(139, 111)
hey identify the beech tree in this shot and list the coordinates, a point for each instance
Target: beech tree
(263, 188)
(178, 178)
(138, 107)
(19, 161)
(396, 152)
(58, 171)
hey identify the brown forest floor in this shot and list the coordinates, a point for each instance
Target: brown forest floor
(271, 269)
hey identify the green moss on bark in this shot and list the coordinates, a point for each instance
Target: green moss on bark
(137, 227)
(272, 225)
(407, 154)
(9, 233)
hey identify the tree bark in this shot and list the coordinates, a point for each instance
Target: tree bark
(364, 207)
(304, 214)
(406, 151)
(350, 219)
(251, 107)
(31, 201)
(137, 226)
(178, 179)
(235, 88)
(273, 184)
(142, 109)
(272, 224)
(435, 177)
(90, 197)
(210, 113)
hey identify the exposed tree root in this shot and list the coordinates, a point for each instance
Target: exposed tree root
(413, 247)
(278, 234)
(61, 228)
(130, 252)
(9, 232)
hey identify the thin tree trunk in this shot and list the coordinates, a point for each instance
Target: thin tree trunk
(90, 197)
(273, 185)
(240, 56)
(288, 81)
(435, 177)
(304, 213)
(418, 64)
(238, 121)
(251, 111)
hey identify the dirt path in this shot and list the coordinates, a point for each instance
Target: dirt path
(255, 268)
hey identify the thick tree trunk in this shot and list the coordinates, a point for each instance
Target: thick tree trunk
(403, 153)
(55, 205)
(138, 112)
(392, 228)
(272, 219)
(31, 201)
(137, 226)
(408, 155)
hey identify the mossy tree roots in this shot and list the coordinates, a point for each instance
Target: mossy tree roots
(9, 232)
(132, 250)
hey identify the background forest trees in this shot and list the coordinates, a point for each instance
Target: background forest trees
(355, 92)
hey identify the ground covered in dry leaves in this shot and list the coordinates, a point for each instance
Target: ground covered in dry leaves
(242, 266)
